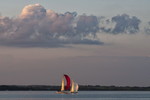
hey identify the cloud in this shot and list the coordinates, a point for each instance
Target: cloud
(37, 26)
(33, 11)
(147, 29)
(87, 24)
(122, 24)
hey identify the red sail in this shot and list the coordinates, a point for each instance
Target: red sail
(68, 82)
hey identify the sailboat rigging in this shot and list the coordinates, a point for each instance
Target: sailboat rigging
(70, 87)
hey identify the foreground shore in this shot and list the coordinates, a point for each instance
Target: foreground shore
(81, 88)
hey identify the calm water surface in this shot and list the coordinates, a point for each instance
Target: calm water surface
(82, 95)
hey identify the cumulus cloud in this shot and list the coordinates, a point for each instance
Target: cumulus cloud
(33, 11)
(37, 26)
(122, 24)
(87, 24)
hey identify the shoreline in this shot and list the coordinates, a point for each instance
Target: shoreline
(81, 88)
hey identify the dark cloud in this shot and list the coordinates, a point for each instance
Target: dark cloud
(37, 26)
(87, 24)
(147, 29)
(125, 24)
(122, 24)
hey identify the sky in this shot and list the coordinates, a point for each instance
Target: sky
(95, 42)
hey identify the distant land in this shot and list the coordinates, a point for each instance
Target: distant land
(81, 88)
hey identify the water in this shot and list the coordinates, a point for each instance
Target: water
(82, 95)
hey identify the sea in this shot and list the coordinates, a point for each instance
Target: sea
(81, 95)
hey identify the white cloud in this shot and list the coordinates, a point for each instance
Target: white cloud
(37, 26)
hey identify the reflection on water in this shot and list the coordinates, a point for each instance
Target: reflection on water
(82, 95)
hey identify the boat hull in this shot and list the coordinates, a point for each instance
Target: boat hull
(63, 92)
(73, 92)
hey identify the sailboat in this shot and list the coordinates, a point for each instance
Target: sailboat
(70, 87)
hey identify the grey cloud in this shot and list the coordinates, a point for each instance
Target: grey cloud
(87, 24)
(147, 29)
(126, 24)
(122, 24)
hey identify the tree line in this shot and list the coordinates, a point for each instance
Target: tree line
(81, 88)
